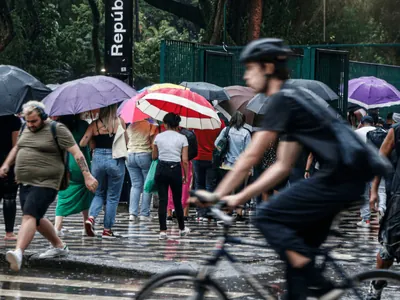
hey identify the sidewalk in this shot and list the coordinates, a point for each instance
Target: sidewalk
(138, 252)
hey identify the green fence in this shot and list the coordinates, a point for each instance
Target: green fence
(184, 61)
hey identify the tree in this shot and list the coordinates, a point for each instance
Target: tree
(95, 34)
(6, 26)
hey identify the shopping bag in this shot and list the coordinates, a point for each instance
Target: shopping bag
(149, 184)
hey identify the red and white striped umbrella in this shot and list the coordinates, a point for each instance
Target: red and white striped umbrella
(196, 112)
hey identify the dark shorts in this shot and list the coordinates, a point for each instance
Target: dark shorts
(36, 200)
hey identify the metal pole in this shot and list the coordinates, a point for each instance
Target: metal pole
(226, 1)
(324, 9)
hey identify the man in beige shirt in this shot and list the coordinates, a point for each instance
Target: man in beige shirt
(39, 170)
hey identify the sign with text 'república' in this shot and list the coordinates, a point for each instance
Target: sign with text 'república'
(118, 36)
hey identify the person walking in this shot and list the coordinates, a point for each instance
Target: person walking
(171, 149)
(141, 135)
(76, 198)
(39, 168)
(238, 140)
(10, 126)
(108, 137)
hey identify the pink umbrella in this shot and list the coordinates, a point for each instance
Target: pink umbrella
(130, 113)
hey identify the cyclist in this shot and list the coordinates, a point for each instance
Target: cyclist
(297, 221)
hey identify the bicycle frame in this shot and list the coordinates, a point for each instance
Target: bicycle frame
(264, 291)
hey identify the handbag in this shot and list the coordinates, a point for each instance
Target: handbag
(64, 157)
(149, 184)
(221, 149)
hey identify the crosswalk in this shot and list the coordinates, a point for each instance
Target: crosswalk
(138, 243)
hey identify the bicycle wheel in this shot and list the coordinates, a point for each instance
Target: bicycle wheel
(362, 283)
(181, 284)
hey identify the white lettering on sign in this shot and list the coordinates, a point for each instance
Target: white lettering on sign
(119, 30)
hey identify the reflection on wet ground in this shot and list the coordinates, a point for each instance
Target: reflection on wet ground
(138, 243)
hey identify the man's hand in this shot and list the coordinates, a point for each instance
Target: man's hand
(4, 171)
(373, 201)
(91, 183)
(232, 201)
(306, 175)
(208, 198)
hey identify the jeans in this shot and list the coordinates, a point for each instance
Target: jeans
(169, 175)
(365, 211)
(138, 165)
(205, 178)
(110, 174)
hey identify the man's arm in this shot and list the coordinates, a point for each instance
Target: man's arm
(250, 157)
(90, 181)
(385, 150)
(287, 155)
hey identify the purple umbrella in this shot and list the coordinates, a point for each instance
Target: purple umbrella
(372, 92)
(86, 94)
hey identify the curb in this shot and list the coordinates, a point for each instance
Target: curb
(73, 263)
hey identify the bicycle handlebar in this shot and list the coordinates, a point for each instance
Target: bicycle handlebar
(216, 209)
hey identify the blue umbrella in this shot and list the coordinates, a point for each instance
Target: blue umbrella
(16, 88)
(87, 94)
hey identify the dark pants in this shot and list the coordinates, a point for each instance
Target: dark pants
(169, 175)
(8, 193)
(205, 179)
(35, 200)
(299, 218)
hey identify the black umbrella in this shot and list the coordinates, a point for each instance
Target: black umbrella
(318, 87)
(258, 103)
(207, 90)
(18, 87)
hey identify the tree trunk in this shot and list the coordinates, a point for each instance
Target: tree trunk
(95, 35)
(6, 26)
(35, 25)
(218, 23)
(188, 12)
(256, 15)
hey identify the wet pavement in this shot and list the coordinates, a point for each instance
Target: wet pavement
(138, 252)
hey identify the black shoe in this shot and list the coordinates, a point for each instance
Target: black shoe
(185, 219)
(174, 214)
(239, 218)
(169, 218)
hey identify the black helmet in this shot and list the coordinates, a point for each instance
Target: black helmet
(265, 50)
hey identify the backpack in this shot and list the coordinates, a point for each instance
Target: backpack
(221, 149)
(192, 140)
(377, 136)
(353, 153)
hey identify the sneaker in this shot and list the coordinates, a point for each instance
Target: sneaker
(144, 219)
(14, 258)
(133, 218)
(375, 293)
(186, 219)
(364, 224)
(55, 252)
(163, 236)
(89, 227)
(184, 232)
(108, 234)
(169, 218)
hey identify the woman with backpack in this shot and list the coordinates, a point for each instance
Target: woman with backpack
(171, 149)
(238, 139)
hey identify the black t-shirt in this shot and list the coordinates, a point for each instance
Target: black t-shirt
(8, 125)
(295, 123)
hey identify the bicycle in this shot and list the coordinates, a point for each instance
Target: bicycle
(199, 285)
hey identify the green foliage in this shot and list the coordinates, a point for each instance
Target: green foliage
(147, 51)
